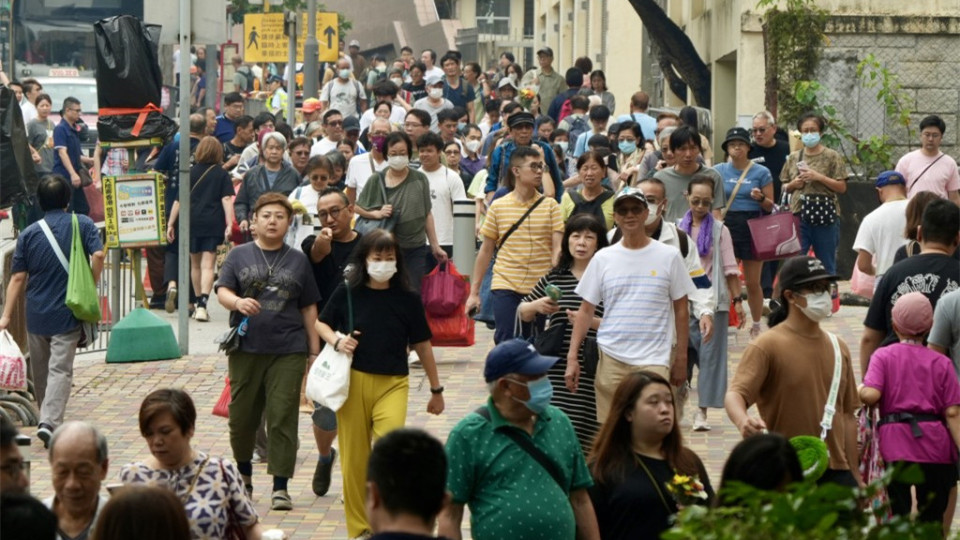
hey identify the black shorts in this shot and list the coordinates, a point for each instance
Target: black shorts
(205, 244)
(736, 222)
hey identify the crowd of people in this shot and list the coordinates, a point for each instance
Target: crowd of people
(613, 252)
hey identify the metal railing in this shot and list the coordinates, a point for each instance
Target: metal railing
(122, 272)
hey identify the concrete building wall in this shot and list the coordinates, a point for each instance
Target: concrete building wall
(381, 23)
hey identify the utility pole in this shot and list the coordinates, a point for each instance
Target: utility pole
(183, 267)
(311, 54)
(290, 22)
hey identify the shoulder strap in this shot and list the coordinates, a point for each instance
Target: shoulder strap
(53, 244)
(911, 245)
(577, 198)
(934, 162)
(830, 408)
(527, 445)
(684, 241)
(202, 176)
(516, 225)
(736, 188)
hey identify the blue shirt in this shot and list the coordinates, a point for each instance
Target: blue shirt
(501, 158)
(648, 124)
(757, 177)
(66, 136)
(225, 129)
(47, 314)
(460, 96)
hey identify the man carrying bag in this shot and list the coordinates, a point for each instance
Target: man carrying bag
(53, 327)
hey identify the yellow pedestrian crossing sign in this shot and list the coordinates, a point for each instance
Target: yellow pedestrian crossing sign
(264, 41)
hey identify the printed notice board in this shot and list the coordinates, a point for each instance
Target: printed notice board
(264, 41)
(133, 210)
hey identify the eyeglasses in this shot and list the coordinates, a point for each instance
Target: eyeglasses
(320, 177)
(451, 152)
(302, 153)
(760, 130)
(624, 210)
(533, 166)
(334, 213)
(701, 202)
(335, 123)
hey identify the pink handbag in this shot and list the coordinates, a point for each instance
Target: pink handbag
(775, 236)
(444, 290)
(861, 284)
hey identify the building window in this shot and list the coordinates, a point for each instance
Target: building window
(493, 17)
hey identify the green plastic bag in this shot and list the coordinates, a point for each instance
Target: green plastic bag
(82, 296)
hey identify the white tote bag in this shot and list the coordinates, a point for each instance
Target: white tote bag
(329, 379)
(13, 364)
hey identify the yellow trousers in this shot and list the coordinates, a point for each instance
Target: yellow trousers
(375, 406)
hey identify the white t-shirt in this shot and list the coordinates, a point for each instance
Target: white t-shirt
(323, 146)
(425, 105)
(342, 96)
(637, 288)
(299, 232)
(435, 70)
(397, 116)
(941, 178)
(445, 187)
(29, 111)
(358, 171)
(881, 233)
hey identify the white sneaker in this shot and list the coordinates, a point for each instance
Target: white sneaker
(700, 421)
(201, 314)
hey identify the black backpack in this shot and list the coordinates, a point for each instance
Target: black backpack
(594, 207)
(247, 76)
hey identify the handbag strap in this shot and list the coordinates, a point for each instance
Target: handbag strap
(736, 188)
(202, 176)
(193, 483)
(516, 225)
(54, 244)
(528, 446)
(934, 162)
(346, 283)
(655, 482)
(830, 409)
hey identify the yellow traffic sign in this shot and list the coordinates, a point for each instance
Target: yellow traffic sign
(264, 41)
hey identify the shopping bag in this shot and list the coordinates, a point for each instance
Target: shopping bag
(775, 236)
(734, 318)
(444, 290)
(222, 406)
(328, 381)
(872, 466)
(13, 364)
(82, 297)
(455, 330)
(861, 284)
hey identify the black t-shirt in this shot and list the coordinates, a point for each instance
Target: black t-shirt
(772, 158)
(633, 508)
(418, 91)
(230, 150)
(932, 274)
(328, 273)
(207, 190)
(914, 247)
(388, 321)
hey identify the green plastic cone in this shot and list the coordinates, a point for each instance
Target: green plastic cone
(141, 336)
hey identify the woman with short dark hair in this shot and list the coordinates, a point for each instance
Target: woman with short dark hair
(144, 513)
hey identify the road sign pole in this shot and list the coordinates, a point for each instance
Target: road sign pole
(183, 268)
(292, 68)
(311, 54)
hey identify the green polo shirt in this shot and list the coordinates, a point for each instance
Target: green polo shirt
(509, 494)
(550, 86)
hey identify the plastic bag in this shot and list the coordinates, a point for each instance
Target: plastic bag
(122, 127)
(861, 284)
(82, 297)
(328, 381)
(128, 67)
(456, 330)
(13, 364)
(222, 406)
(444, 290)
(18, 177)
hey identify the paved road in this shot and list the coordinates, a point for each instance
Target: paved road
(109, 396)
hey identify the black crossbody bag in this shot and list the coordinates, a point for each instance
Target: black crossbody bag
(527, 446)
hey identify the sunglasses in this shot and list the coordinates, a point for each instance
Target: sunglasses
(625, 210)
(701, 202)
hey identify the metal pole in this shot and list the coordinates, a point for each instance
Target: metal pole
(311, 54)
(464, 235)
(183, 233)
(212, 98)
(291, 111)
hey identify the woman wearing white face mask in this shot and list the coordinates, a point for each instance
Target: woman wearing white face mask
(434, 102)
(407, 205)
(388, 318)
(788, 372)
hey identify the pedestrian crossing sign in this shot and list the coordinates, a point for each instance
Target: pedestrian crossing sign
(264, 40)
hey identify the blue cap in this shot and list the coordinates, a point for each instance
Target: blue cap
(516, 356)
(889, 178)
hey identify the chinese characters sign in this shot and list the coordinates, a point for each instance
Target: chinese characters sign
(264, 40)
(133, 210)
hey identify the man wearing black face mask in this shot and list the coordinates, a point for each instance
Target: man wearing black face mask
(362, 166)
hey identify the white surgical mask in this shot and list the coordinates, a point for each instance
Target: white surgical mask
(397, 81)
(472, 146)
(513, 77)
(563, 145)
(344, 73)
(653, 214)
(436, 93)
(819, 306)
(381, 270)
(398, 163)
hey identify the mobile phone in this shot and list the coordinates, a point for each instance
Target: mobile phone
(802, 165)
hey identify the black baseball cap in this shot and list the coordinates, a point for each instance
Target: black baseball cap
(801, 270)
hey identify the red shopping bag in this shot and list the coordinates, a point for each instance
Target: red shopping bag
(456, 330)
(222, 407)
(444, 290)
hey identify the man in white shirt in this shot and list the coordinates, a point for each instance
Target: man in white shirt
(363, 166)
(31, 89)
(386, 92)
(429, 59)
(881, 231)
(638, 280)
(343, 93)
(929, 169)
(445, 187)
(333, 133)
(434, 102)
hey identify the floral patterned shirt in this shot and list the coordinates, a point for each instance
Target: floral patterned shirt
(216, 498)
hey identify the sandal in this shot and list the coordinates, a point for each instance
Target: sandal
(280, 500)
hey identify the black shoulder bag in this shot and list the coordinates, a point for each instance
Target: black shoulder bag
(527, 446)
(516, 225)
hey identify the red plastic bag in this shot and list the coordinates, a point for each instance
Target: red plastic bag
(456, 330)
(734, 318)
(861, 284)
(222, 407)
(444, 290)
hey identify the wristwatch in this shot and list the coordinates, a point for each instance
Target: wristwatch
(437, 390)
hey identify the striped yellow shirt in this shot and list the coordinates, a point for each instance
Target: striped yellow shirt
(526, 255)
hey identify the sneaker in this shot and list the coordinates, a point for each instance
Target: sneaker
(170, 305)
(201, 314)
(280, 500)
(247, 486)
(700, 421)
(766, 307)
(258, 458)
(158, 301)
(45, 433)
(321, 476)
(755, 330)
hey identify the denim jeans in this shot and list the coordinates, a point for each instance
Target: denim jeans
(505, 315)
(824, 240)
